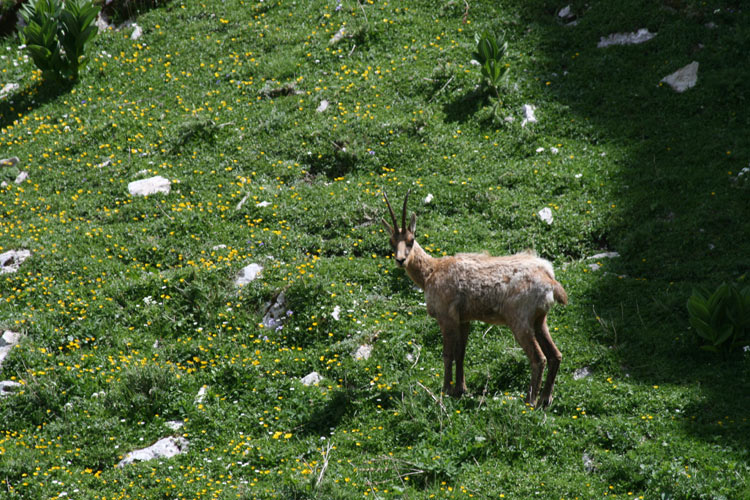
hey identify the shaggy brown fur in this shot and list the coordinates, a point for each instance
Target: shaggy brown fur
(517, 291)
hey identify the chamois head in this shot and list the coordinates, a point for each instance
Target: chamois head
(402, 240)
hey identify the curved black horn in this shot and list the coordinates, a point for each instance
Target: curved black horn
(393, 216)
(403, 214)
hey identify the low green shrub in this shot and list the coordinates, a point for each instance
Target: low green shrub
(56, 34)
(721, 319)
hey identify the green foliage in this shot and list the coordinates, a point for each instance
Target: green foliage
(489, 53)
(722, 318)
(56, 35)
(120, 10)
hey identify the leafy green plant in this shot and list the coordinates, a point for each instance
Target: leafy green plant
(721, 318)
(56, 34)
(489, 54)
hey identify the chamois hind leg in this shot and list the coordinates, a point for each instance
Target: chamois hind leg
(460, 387)
(451, 334)
(554, 357)
(524, 335)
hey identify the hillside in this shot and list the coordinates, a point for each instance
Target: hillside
(273, 128)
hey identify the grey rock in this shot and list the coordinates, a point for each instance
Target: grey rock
(164, 448)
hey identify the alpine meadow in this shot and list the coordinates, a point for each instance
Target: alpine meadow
(198, 298)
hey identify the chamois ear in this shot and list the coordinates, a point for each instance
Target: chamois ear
(387, 227)
(413, 223)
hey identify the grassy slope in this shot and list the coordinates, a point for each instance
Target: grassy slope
(186, 101)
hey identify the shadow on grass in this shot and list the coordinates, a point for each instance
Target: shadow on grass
(30, 98)
(680, 218)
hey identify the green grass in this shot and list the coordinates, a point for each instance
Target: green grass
(128, 309)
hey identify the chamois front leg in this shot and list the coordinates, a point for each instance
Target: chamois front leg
(451, 336)
(524, 335)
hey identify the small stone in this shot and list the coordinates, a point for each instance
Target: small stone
(528, 113)
(22, 176)
(218, 247)
(152, 185)
(564, 12)
(363, 352)
(594, 267)
(8, 387)
(336, 38)
(336, 312)
(313, 378)
(546, 215)
(275, 312)
(580, 373)
(201, 396)
(174, 425)
(102, 23)
(9, 162)
(263, 204)
(8, 88)
(242, 202)
(322, 106)
(640, 36)
(605, 255)
(9, 340)
(588, 463)
(11, 260)
(137, 32)
(248, 274)
(164, 448)
(428, 198)
(684, 78)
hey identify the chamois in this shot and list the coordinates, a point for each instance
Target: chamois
(516, 290)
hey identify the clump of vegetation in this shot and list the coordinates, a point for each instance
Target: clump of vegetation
(489, 54)
(120, 10)
(57, 33)
(721, 319)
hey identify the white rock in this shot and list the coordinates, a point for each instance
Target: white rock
(8, 387)
(322, 106)
(363, 352)
(263, 204)
(313, 378)
(175, 425)
(248, 274)
(336, 312)
(137, 32)
(22, 176)
(546, 215)
(428, 198)
(11, 260)
(580, 373)
(7, 342)
(9, 162)
(8, 88)
(594, 267)
(588, 463)
(102, 23)
(164, 448)
(201, 396)
(554, 150)
(528, 113)
(540, 150)
(684, 78)
(275, 312)
(105, 163)
(640, 36)
(152, 185)
(242, 202)
(474, 62)
(338, 36)
(605, 255)
(218, 247)
(564, 12)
